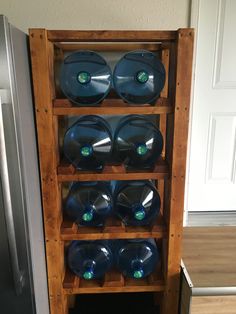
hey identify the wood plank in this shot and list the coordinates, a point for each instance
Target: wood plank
(115, 285)
(68, 173)
(42, 64)
(209, 255)
(165, 57)
(177, 181)
(112, 106)
(111, 47)
(70, 231)
(110, 36)
(213, 305)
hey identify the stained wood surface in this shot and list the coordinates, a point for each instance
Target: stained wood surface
(113, 282)
(66, 172)
(110, 46)
(42, 63)
(209, 255)
(113, 107)
(213, 305)
(178, 158)
(112, 36)
(113, 229)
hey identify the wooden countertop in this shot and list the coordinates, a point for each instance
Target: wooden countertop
(209, 254)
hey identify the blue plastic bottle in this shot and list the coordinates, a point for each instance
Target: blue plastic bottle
(139, 77)
(137, 203)
(137, 258)
(88, 143)
(137, 142)
(89, 203)
(89, 259)
(85, 78)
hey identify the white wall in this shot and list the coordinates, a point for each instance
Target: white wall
(97, 14)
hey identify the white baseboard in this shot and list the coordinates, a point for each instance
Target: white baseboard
(227, 218)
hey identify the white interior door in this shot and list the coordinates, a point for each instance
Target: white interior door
(211, 179)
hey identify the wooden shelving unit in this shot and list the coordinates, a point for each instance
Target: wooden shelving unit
(175, 48)
(113, 229)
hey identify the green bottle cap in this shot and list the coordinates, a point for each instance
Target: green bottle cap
(88, 275)
(142, 77)
(88, 216)
(139, 214)
(83, 77)
(141, 149)
(86, 151)
(138, 274)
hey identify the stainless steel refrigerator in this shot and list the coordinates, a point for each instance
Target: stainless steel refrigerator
(23, 281)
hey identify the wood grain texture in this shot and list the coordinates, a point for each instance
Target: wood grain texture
(100, 47)
(110, 36)
(213, 305)
(113, 282)
(112, 107)
(177, 181)
(66, 172)
(113, 230)
(41, 57)
(209, 254)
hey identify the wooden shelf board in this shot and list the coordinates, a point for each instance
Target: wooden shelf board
(112, 106)
(110, 36)
(66, 172)
(110, 46)
(113, 282)
(113, 229)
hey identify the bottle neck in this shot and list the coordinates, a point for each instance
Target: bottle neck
(137, 269)
(89, 267)
(139, 212)
(88, 214)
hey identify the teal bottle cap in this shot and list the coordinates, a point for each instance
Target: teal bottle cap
(141, 149)
(86, 151)
(138, 274)
(88, 216)
(139, 214)
(83, 77)
(88, 275)
(142, 77)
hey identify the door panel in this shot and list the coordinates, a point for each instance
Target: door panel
(212, 154)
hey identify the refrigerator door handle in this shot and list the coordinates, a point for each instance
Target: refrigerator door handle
(18, 275)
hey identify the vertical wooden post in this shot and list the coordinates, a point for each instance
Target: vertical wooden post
(177, 181)
(42, 60)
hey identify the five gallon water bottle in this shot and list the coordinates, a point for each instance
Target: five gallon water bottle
(89, 259)
(88, 143)
(137, 203)
(137, 142)
(139, 77)
(89, 203)
(85, 78)
(137, 258)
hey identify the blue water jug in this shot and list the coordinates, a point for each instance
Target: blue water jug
(85, 78)
(89, 259)
(139, 77)
(137, 142)
(137, 203)
(88, 143)
(89, 203)
(137, 258)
